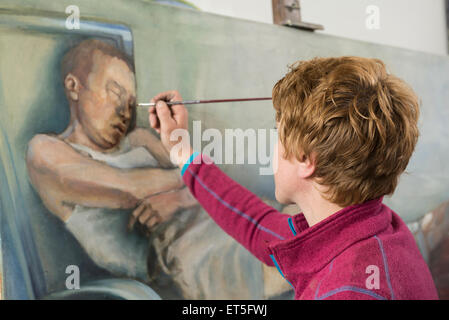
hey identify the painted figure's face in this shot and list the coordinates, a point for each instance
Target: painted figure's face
(107, 101)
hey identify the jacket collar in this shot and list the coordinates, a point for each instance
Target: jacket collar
(315, 247)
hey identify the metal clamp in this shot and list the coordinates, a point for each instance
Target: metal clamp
(293, 6)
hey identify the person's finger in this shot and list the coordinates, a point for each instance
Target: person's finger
(174, 96)
(164, 115)
(165, 96)
(154, 121)
(135, 215)
(180, 114)
(178, 111)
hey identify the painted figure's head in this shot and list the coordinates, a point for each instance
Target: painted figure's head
(100, 85)
(346, 127)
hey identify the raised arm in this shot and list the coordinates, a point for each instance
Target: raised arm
(237, 211)
(63, 178)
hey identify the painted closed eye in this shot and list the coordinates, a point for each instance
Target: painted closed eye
(115, 94)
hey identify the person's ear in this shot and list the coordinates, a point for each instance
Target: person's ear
(306, 167)
(72, 86)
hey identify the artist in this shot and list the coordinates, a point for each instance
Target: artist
(347, 130)
(102, 175)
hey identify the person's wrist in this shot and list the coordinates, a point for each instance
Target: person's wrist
(184, 157)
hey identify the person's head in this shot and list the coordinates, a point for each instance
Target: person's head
(100, 85)
(347, 127)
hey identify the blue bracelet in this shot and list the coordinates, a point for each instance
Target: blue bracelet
(186, 165)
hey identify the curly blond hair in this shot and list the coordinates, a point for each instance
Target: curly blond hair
(359, 121)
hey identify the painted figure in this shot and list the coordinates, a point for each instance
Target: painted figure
(117, 192)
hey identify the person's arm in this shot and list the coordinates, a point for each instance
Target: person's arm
(63, 177)
(236, 210)
(239, 212)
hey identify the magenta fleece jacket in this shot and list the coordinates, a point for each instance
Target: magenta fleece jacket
(363, 251)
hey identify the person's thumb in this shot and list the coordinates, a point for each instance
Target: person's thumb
(164, 115)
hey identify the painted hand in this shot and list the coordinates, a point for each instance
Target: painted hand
(160, 208)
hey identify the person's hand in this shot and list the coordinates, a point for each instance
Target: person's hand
(160, 208)
(165, 120)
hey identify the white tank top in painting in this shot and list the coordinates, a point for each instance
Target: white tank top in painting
(189, 252)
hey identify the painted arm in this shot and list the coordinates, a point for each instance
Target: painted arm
(141, 137)
(64, 177)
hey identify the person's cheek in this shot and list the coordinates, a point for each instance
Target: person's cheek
(277, 173)
(275, 159)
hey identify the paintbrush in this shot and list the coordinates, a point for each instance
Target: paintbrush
(170, 103)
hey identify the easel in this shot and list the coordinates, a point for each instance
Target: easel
(288, 13)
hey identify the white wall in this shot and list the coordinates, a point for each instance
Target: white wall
(412, 24)
(256, 10)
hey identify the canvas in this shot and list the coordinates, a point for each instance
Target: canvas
(77, 230)
(88, 231)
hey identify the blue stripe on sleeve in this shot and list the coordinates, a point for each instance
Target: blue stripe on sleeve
(353, 289)
(387, 273)
(234, 209)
